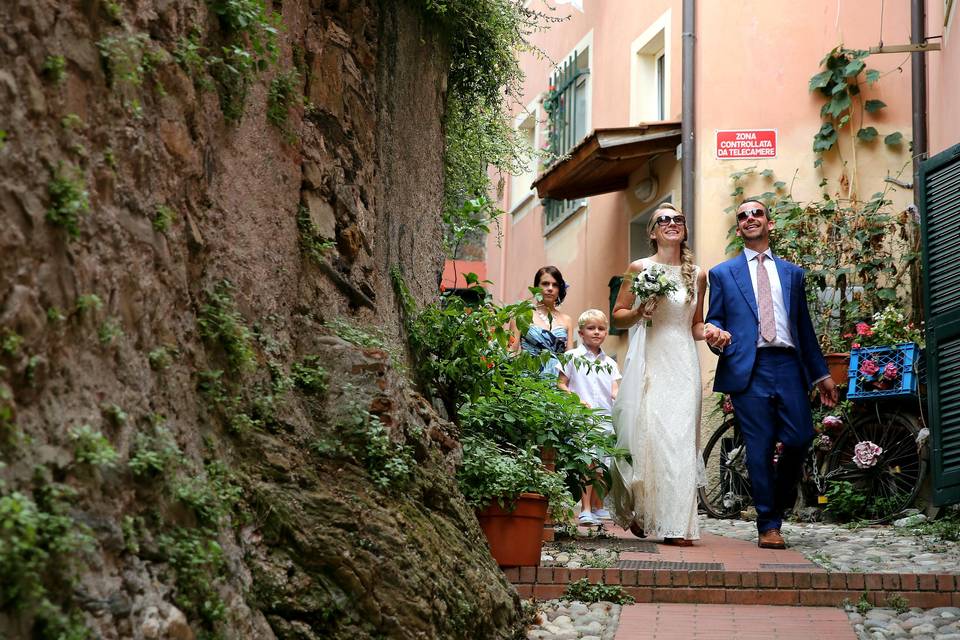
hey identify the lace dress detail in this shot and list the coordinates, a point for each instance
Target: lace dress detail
(657, 418)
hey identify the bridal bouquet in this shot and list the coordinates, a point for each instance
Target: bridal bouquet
(651, 283)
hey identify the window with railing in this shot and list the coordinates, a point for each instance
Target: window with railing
(567, 106)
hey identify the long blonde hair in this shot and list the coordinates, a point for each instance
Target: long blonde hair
(687, 267)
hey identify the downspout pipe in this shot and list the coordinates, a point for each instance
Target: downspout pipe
(918, 81)
(688, 149)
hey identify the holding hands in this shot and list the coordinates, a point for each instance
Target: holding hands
(715, 337)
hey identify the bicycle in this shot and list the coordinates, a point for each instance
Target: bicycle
(890, 484)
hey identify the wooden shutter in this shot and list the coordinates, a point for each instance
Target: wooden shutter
(940, 215)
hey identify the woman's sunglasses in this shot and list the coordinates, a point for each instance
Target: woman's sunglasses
(752, 213)
(664, 220)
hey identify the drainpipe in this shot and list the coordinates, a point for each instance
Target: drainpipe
(687, 146)
(918, 80)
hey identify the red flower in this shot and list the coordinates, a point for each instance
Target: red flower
(855, 345)
(847, 336)
(869, 368)
(890, 372)
(863, 329)
(443, 287)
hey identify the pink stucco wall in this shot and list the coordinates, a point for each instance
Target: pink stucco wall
(754, 60)
(943, 78)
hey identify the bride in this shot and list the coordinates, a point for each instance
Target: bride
(657, 412)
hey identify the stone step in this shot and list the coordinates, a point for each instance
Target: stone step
(787, 587)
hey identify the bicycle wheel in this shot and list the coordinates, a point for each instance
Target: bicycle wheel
(728, 486)
(892, 482)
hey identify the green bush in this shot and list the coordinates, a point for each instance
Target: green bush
(55, 68)
(309, 376)
(583, 591)
(283, 94)
(198, 563)
(92, 447)
(155, 453)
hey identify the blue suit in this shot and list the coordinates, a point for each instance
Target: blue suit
(769, 387)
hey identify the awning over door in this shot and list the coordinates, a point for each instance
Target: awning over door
(603, 161)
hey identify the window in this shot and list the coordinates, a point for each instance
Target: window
(650, 73)
(568, 110)
(522, 182)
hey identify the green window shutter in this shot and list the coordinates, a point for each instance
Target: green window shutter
(940, 214)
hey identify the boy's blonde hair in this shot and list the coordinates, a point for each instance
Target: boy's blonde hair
(592, 314)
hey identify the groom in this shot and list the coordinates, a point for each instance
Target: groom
(760, 325)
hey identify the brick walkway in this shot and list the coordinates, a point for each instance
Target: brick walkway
(660, 621)
(733, 554)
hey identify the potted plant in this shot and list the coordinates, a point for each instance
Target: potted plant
(510, 490)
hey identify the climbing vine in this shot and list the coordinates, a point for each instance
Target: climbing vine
(841, 84)
(483, 39)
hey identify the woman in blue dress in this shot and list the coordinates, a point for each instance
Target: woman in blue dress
(551, 331)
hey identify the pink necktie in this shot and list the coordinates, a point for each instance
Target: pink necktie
(768, 324)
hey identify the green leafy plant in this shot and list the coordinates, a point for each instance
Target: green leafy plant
(10, 342)
(841, 83)
(198, 564)
(583, 591)
(889, 326)
(55, 68)
(88, 302)
(68, 199)
(161, 357)
(312, 243)
(115, 413)
(72, 121)
(491, 472)
(251, 30)
(41, 551)
(863, 605)
(898, 603)
(92, 447)
(947, 527)
(127, 61)
(220, 323)
(55, 316)
(283, 94)
(844, 501)
(154, 453)
(211, 495)
(309, 376)
(163, 217)
(109, 331)
(112, 9)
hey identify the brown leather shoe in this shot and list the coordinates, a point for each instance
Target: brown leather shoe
(771, 539)
(637, 530)
(678, 542)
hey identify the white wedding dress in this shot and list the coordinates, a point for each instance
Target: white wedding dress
(657, 418)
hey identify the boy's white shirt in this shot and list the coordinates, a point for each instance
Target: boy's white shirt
(596, 386)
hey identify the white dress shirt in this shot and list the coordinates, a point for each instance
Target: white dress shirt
(596, 387)
(784, 337)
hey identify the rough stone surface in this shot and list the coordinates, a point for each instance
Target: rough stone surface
(313, 549)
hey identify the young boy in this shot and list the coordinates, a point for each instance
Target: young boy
(596, 386)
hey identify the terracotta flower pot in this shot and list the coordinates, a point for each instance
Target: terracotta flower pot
(515, 537)
(839, 366)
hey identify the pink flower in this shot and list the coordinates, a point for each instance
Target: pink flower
(824, 443)
(869, 368)
(855, 345)
(832, 422)
(863, 329)
(727, 405)
(890, 372)
(865, 454)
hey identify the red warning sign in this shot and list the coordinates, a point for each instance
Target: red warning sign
(746, 144)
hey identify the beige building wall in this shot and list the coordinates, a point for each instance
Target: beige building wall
(754, 61)
(943, 77)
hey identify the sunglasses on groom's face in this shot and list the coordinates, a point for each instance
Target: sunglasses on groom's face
(752, 213)
(665, 220)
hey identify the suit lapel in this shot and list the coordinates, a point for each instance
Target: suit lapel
(786, 282)
(741, 273)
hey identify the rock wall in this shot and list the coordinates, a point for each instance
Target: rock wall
(204, 420)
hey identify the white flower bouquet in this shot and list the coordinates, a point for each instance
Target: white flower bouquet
(651, 283)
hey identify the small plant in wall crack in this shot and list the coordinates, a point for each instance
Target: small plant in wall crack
(284, 93)
(220, 323)
(92, 447)
(55, 68)
(68, 199)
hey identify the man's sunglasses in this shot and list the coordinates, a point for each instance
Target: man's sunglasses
(664, 220)
(752, 213)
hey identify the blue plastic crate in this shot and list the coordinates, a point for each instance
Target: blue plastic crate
(906, 357)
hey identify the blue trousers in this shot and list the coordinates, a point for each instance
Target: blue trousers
(775, 407)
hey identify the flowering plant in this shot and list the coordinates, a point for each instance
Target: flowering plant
(651, 283)
(888, 326)
(866, 454)
(871, 374)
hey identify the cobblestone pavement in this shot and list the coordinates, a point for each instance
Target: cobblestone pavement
(566, 620)
(873, 549)
(942, 623)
